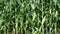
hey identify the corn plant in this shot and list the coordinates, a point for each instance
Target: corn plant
(29, 16)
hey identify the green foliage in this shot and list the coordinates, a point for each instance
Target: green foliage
(29, 16)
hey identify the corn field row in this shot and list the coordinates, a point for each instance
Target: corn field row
(29, 16)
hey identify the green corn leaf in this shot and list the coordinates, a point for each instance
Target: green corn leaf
(1, 20)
